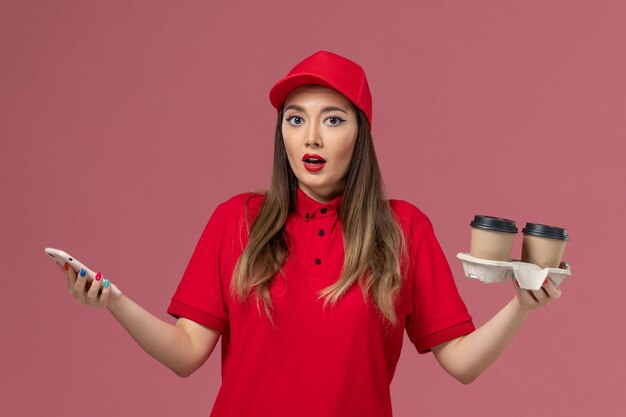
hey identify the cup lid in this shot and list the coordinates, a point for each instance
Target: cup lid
(496, 224)
(543, 230)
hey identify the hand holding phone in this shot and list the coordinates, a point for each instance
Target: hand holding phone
(61, 258)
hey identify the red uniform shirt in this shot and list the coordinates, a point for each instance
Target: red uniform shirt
(334, 362)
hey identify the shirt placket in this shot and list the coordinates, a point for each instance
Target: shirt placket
(322, 224)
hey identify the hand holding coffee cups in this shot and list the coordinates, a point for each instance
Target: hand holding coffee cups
(532, 299)
(537, 272)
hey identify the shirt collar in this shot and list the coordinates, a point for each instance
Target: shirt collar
(307, 207)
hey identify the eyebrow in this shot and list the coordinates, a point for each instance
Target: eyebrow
(324, 110)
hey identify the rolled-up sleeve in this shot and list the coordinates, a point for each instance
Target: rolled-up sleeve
(438, 312)
(201, 293)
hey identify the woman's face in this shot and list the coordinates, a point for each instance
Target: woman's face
(319, 122)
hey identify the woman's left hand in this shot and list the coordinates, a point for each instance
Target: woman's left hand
(532, 299)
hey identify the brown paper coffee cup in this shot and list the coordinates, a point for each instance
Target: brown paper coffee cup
(492, 238)
(543, 245)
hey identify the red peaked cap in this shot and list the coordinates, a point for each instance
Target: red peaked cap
(329, 69)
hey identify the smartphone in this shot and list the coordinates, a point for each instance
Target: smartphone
(61, 258)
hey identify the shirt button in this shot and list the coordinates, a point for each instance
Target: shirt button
(318, 261)
(323, 210)
(321, 232)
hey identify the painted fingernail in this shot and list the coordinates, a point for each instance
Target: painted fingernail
(106, 283)
(82, 272)
(545, 282)
(66, 266)
(98, 276)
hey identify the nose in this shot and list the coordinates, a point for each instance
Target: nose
(313, 138)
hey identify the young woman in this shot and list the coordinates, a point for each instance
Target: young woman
(312, 284)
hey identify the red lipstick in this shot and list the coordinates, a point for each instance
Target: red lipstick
(313, 162)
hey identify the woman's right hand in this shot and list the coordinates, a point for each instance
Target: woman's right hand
(183, 347)
(94, 294)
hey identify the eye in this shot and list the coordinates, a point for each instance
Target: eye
(289, 120)
(337, 120)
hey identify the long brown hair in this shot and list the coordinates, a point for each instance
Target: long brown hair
(374, 244)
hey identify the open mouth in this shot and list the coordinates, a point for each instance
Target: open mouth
(314, 161)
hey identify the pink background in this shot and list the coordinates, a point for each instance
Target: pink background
(123, 124)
